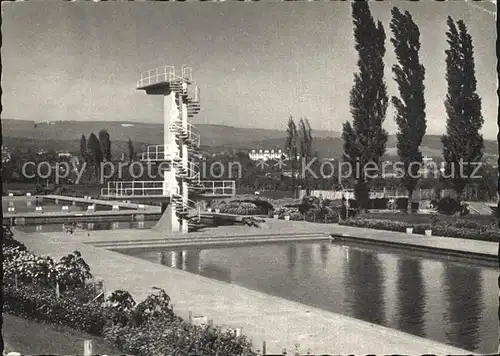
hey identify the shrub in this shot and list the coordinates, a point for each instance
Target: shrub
(119, 307)
(72, 271)
(165, 336)
(447, 205)
(322, 215)
(150, 328)
(8, 239)
(379, 203)
(401, 203)
(156, 305)
(377, 224)
(28, 268)
(35, 302)
(242, 207)
(293, 213)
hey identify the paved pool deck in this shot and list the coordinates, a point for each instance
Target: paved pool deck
(443, 245)
(262, 317)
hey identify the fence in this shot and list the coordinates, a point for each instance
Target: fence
(470, 194)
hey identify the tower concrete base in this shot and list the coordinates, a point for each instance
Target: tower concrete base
(168, 222)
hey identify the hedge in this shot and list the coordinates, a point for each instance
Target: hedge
(318, 215)
(148, 328)
(242, 207)
(31, 301)
(458, 229)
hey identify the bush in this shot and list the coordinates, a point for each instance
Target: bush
(379, 203)
(323, 215)
(293, 213)
(35, 302)
(242, 207)
(119, 307)
(8, 239)
(164, 336)
(401, 203)
(149, 328)
(450, 206)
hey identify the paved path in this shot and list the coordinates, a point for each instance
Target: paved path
(279, 322)
(478, 249)
(437, 243)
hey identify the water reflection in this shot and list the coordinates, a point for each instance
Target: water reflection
(409, 292)
(98, 225)
(215, 271)
(291, 256)
(306, 261)
(411, 301)
(463, 287)
(364, 286)
(323, 252)
(187, 260)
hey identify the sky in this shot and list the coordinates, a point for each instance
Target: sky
(255, 63)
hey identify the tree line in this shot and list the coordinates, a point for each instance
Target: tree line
(97, 149)
(365, 138)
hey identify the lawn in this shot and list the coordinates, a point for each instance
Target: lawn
(428, 218)
(31, 338)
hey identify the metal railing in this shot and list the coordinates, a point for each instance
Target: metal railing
(160, 153)
(165, 74)
(191, 169)
(185, 202)
(216, 187)
(189, 130)
(187, 72)
(133, 188)
(158, 188)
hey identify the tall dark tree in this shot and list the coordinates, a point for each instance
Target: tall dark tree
(83, 147)
(365, 139)
(463, 142)
(306, 150)
(410, 106)
(131, 152)
(292, 147)
(94, 152)
(105, 144)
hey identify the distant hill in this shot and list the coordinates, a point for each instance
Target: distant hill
(212, 135)
(65, 135)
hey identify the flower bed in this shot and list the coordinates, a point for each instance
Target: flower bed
(241, 207)
(319, 215)
(458, 228)
(148, 328)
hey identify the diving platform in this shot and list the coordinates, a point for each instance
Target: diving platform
(133, 190)
(174, 158)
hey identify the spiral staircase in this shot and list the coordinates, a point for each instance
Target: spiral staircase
(177, 156)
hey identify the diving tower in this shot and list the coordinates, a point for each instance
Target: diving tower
(181, 139)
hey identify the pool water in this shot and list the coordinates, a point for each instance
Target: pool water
(103, 225)
(29, 204)
(453, 301)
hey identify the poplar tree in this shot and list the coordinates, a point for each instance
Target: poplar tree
(131, 152)
(306, 149)
(463, 141)
(365, 139)
(291, 148)
(95, 153)
(410, 105)
(105, 144)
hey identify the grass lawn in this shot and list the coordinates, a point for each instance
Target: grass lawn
(29, 337)
(428, 218)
